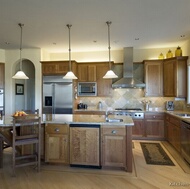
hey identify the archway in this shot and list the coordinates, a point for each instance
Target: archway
(25, 100)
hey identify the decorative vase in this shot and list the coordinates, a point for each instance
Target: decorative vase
(178, 51)
(169, 54)
(161, 56)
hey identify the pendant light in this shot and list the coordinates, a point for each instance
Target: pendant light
(20, 74)
(70, 74)
(110, 74)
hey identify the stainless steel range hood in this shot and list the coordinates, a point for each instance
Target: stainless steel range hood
(128, 81)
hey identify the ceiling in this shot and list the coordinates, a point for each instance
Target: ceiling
(137, 23)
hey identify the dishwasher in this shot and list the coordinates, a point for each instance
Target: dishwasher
(85, 145)
(185, 140)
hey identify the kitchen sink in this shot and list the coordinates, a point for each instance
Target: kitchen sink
(114, 120)
(183, 115)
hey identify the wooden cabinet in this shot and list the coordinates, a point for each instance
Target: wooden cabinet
(113, 146)
(94, 72)
(57, 67)
(84, 145)
(138, 130)
(86, 72)
(154, 124)
(154, 77)
(104, 85)
(175, 77)
(2, 75)
(173, 131)
(57, 143)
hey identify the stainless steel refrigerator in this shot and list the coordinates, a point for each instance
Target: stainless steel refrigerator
(57, 95)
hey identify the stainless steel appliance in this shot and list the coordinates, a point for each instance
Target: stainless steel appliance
(134, 113)
(87, 89)
(57, 95)
(185, 141)
(169, 105)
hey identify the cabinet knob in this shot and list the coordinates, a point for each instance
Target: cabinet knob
(56, 130)
(114, 132)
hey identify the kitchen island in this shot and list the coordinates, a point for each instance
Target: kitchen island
(114, 139)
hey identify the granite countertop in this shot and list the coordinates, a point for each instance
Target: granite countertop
(75, 118)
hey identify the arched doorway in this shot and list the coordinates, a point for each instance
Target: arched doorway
(25, 100)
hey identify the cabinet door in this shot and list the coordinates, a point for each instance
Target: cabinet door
(138, 130)
(84, 146)
(104, 85)
(48, 68)
(86, 72)
(57, 148)
(2, 75)
(113, 151)
(175, 77)
(155, 128)
(57, 143)
(154, 78)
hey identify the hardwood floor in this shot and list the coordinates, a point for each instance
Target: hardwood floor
(64, 177)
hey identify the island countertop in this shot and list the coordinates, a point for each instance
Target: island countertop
(75, 119)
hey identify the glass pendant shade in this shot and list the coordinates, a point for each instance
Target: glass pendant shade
(110, 74)
(70, 74)
(20, 74)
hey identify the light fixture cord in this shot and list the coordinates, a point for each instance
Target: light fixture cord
(69, 27)
(21, 46)
(109, 47)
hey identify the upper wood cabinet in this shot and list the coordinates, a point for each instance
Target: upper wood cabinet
(154, 77)
(86, 72)
(175, 77)
(94, 72)
(57, 67)
(104, 85)
(2, 75)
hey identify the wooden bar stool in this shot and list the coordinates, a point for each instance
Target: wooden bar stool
(32, 136)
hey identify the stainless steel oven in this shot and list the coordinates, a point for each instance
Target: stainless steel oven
(185, 140)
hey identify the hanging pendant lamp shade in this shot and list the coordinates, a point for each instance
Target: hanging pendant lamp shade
(20, 74)
(110, 74)
(70, 74)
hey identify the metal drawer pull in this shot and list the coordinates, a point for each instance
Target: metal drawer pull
(114, 132)
(56, 130)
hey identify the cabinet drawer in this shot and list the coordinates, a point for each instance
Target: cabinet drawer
(57, 129)
(154, 116)
(114, 131)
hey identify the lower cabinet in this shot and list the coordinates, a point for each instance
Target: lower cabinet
(173, 131)
(113, 146)
(138, 130)
(84, 146)
(57, 143)
(154, 124)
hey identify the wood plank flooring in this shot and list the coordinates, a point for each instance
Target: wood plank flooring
(64, 177)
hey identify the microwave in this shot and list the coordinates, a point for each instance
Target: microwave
(87, 89)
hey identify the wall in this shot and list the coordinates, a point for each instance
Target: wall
(11, 59)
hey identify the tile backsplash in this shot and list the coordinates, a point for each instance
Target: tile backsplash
(131, 98)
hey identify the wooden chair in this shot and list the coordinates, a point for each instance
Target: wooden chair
(33, 137)
(31, 111)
